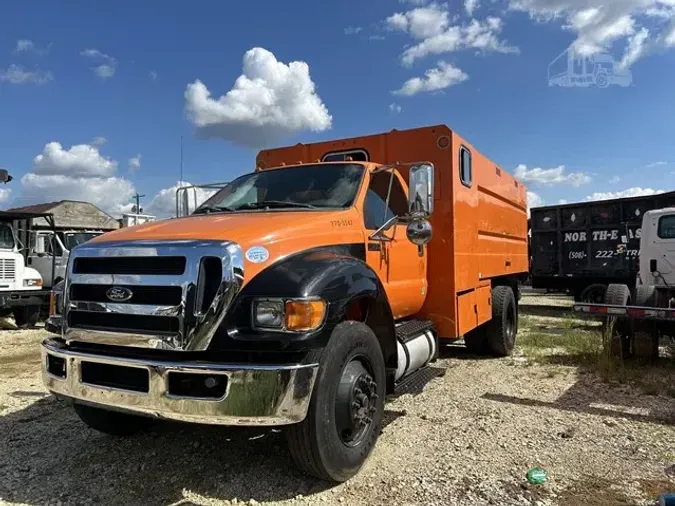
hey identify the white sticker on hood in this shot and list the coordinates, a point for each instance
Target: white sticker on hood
(257, 254)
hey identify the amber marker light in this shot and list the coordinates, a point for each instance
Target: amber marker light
(304, 314)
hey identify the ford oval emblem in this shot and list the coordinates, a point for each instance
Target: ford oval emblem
(119, 294)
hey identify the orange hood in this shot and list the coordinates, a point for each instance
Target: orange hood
(280, 233)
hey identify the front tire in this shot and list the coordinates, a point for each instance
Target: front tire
(26, 317)
(345, 414)
(109, 422)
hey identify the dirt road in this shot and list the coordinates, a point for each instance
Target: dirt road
(468, 439)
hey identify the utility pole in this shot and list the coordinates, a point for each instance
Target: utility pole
(138, 202)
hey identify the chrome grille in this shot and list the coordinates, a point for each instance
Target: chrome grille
(150, 294)
(7, 269)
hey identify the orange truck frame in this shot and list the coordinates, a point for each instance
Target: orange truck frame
(299, 295)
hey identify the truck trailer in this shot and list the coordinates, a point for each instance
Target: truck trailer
(300, 295)
(583, 247)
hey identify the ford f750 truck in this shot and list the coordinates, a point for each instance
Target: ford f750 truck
(299, 295)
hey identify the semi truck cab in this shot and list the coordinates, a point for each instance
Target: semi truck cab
(299, 295)
(20, 285)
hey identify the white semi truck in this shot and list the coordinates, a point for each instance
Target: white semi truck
(21, 287)
(640, 319)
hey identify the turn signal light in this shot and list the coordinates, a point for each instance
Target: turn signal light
(304, 314)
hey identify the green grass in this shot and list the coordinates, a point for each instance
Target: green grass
(571, 343)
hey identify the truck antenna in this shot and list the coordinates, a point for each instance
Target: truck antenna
(181, 160)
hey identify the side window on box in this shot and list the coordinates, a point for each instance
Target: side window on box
(465, 173)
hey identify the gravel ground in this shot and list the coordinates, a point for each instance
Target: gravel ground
(468, 439)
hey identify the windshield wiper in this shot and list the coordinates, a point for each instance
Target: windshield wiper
(212, 209)
(275, 203)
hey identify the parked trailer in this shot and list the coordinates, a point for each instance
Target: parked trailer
(637, 319)
(583, 247)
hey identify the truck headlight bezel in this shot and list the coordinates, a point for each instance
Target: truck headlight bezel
(31, 282)
(292, 314)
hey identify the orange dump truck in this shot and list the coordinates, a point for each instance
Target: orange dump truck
(299, 295)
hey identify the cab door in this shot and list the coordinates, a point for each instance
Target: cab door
(395, 259)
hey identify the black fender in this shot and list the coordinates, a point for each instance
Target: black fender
(338, 274)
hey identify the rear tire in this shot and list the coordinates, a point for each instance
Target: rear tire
(616, 330)
(593, 294)
(112, 422)
(646, 336)
(501, 330)
(345, 414)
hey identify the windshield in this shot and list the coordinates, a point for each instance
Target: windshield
(70, 240)
(6, 237)
(326, 185)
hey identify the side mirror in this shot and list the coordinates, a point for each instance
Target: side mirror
(421, 188)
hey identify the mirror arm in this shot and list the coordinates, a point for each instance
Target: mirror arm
(387, 225)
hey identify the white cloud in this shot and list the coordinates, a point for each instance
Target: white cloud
(28, 46)
(630, 192)
(153, 75)
(79, 173)
(135, 163)
(549, 177)
(395, 108)
(655, 164)
(268, 102)
(421, 22)
(598, 24)
(5, 195)
(81, 160)
(475, 35)
(105, 70)
(375, 37)
(99, 141)
(533, 200)
(16, 74)
(637, 46)
(430, 27)
(562, 201)
(470, 6)
(615, 180)
(111, 194)
(352, 30)
(435, 79)
(163, 205)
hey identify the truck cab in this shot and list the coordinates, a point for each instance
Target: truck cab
(50, 251)
(299, 295)
(657, 249)
(18, 283)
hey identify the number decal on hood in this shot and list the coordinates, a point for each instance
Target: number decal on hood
(257, 254)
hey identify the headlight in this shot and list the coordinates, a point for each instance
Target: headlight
(32, 282)
(288, 314)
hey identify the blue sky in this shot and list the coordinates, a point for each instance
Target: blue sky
(107, 81)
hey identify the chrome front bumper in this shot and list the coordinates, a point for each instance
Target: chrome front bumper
(255, 395)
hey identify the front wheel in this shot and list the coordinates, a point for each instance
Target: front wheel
(27, 316)
(345, 414)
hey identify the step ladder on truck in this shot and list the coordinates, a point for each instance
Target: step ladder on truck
(636, 322)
